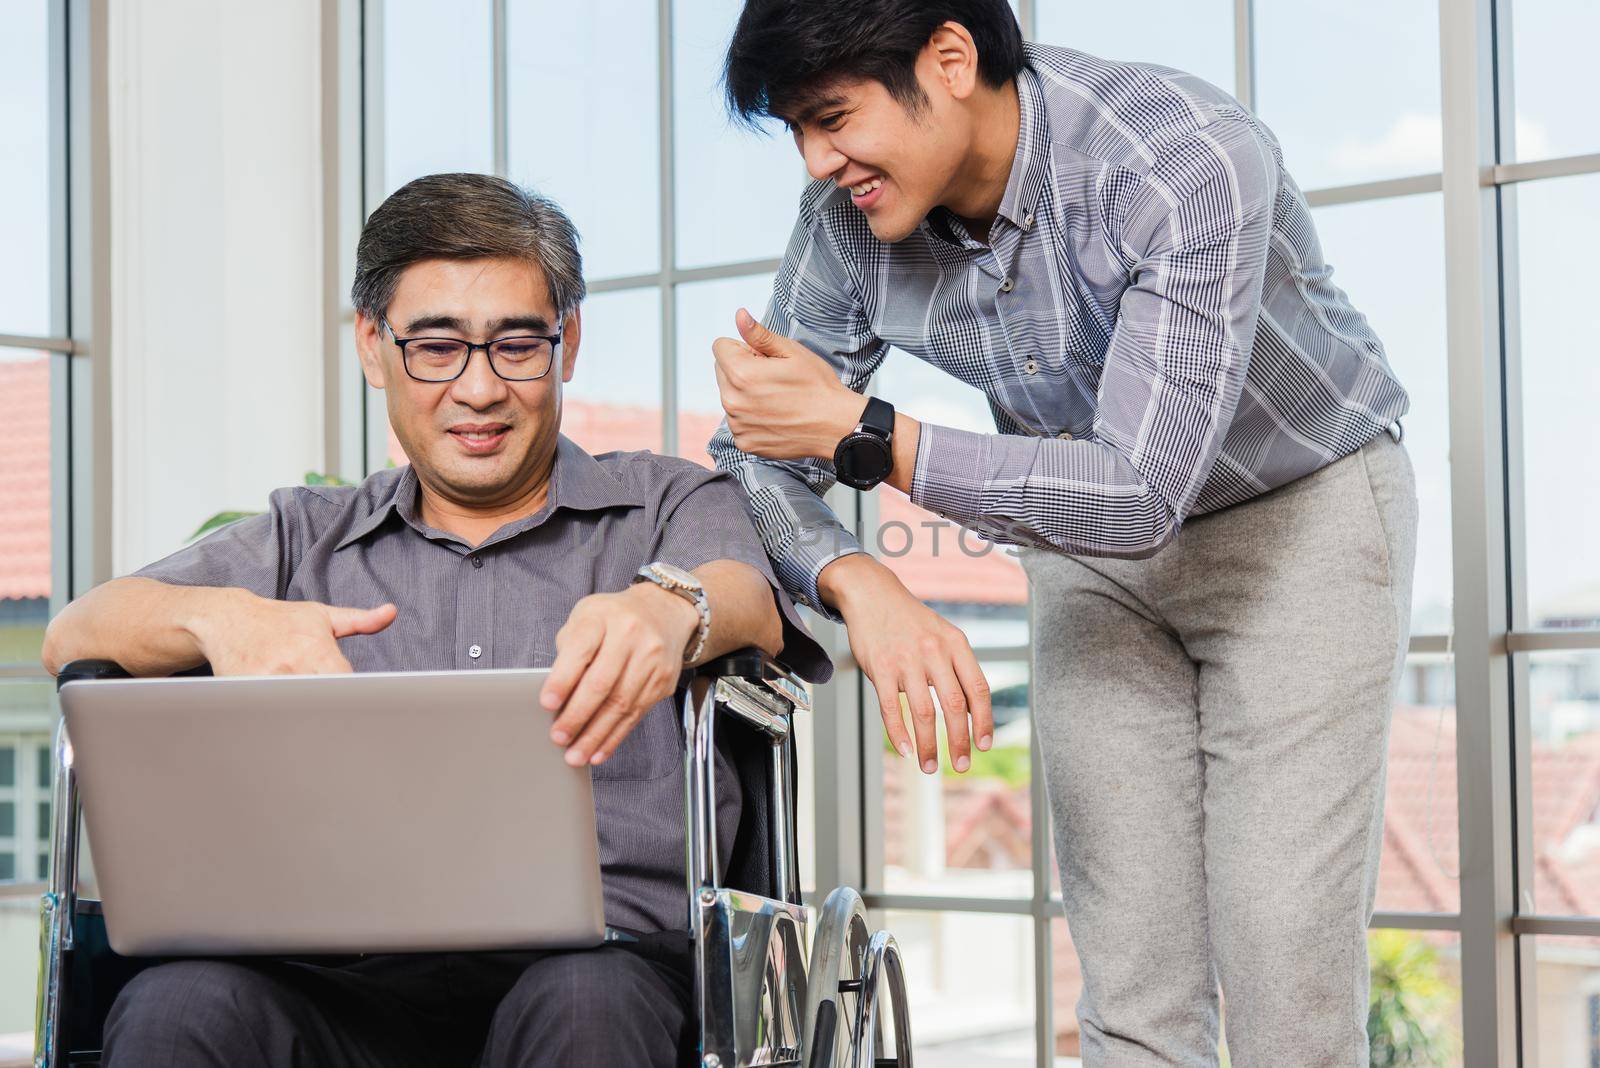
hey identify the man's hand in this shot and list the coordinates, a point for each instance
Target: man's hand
(250, 635)
(617, 655)
(904, 646)
(783, 401)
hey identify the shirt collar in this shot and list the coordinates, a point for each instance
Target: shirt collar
(1031, 166)
(577, 481)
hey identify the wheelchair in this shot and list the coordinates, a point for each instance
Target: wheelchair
(770, 987)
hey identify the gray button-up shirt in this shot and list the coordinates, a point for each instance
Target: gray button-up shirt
(499, 605)
(1150, 318)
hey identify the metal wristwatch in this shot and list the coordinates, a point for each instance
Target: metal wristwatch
(677, 580)
(865, 456)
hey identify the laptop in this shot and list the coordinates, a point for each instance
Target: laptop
(334, 814)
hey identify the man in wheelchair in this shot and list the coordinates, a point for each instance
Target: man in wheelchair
(502, 544)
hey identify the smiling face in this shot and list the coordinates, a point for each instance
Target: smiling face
(898, 163)
(478, 441)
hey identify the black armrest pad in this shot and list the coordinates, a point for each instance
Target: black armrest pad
(89, 670)
(92, 670)
(747, 663)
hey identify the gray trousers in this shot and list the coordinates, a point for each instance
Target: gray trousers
(1214, 723)
(616, 1005)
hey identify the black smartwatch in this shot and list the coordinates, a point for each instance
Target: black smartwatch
(865, 457)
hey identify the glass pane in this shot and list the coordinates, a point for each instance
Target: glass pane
(8, 819)
(25, 273)
(976, 584)
(705, 313)
(614, 399)
(1415, 997)
(969, 978)
(1564, 700)
(581, 95)
(438, 97)
(737, 191)
(1568, 1007)
(963, 835)
(1552, 48)
(1195, 36)
(1557, 279)
(1420, 867)
(8, 766)
(24, 505)
(1388, 255)
(19, 964)
(1341, 121)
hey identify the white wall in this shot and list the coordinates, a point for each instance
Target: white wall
(216, 244)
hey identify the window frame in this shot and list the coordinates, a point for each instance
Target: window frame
(77, 347)
(1490, 635)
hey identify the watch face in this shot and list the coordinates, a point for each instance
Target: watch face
(866, 461)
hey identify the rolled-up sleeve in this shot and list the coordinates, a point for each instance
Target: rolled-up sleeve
(814, 302)
(255, 553)
(703, 519)
(1195, 237)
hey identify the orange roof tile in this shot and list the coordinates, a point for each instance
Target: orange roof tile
(25, 478)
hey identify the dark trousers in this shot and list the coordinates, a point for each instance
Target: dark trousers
(621, 1004)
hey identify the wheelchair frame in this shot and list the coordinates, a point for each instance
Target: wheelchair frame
(765, 992)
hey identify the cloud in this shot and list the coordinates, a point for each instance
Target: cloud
(1409, 146)
(1412, 145)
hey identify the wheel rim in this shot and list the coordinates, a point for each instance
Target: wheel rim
(838, 959)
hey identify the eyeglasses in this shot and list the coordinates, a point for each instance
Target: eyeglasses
(522, 358)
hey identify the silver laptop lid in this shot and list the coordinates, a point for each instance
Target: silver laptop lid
(377, 812)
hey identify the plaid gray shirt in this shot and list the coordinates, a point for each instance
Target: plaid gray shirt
(1151, 320)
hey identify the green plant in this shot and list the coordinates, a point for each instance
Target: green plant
(222, 519)
(1410, 1002)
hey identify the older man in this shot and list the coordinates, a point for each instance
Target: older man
(502, 544)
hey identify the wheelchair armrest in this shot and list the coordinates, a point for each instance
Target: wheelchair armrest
(764, 672)
(90, 670)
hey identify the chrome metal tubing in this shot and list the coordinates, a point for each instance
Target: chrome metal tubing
(760, 709)
(785, 865)
(59, 906)
(64, 852)
(700, 791)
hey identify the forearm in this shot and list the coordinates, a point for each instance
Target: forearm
(144, 625)
(744, 611)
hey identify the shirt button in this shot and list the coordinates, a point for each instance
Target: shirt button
(1031, 367)
(1027, 220)
(1065, 435)
(477, 561)
(474, 651)
(1007, 286)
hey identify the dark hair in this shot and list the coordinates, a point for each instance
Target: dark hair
(784, 52)
(465, 217)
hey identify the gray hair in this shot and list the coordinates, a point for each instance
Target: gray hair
(465, 217)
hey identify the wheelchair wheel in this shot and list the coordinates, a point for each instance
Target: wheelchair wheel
(883, 977)
(833, 980)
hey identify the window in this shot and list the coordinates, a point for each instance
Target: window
(1351, 90)
(1193, 36)
(684, 216)
(1556, 220)
(1550, 50)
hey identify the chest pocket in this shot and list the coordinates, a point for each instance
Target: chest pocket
(652, 751)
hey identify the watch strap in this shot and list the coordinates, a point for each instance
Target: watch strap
(694, 593)
(878, 417)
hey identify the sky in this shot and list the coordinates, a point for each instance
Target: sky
(1351, 91)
